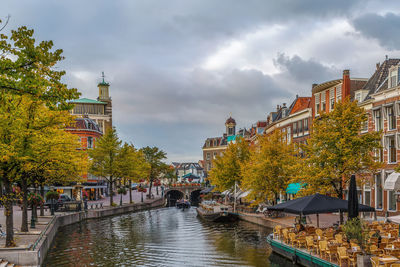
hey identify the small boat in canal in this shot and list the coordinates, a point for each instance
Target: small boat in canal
(215, 212)
(183, 204)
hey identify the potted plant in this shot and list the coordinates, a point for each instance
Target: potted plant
(52, 195)
(354, 230)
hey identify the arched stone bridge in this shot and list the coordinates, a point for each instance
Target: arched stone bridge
(189, 192)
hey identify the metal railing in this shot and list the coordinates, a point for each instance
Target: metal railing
(43, 233)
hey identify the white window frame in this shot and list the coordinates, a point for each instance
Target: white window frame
(375, 119)
(367, 189)
(91, 142)
(386, 174)
(331, 98)
(295, 130)
(317, 104)
(393, 73)
(387, 147)
(376, 192)
(289, 135)
(338, 93)
(308, 126)
(323, 101)
(388, 117)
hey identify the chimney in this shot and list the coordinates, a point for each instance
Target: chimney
(377, 66)
(346, 84)
(284, 105)
(297, 96)
(277, 107)
(314, 84)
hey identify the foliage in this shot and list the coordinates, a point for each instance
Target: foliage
(272, 164)
(354, 230)
(336, 150)
(35, 199)
(154, 158)
(132, 164)
(104, 158)
(227, 168)
(122, 190)
(52, 195)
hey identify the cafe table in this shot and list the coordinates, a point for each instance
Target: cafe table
(390, 250)
(388, 260)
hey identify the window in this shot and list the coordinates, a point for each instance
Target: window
(230, 131)
(208, 156)
(364, 126)
(378, 119)
(209, 166)
(367, 197)
(338, 93)
(379, 191)
(393, 78)
(392, 200)
(331, 98)
(289, 135)
(323, 101)
(300, 127)
(215, 155)
(90, 142)
(358, 97)
(305, 125)
(100, 123)
(391, 116)
(295, 129)
(317, 103)
(215, 142)
(390, 146)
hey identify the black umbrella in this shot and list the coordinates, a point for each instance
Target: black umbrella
(353, 199)
(316, 204)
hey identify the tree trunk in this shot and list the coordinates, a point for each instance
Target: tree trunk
(157, 189)
(130, 191)
(151, 185)
(8, 205)
(41, 205)
(111, 191)
(24, 222)
(341, 219)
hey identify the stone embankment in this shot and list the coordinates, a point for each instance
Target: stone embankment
(35, 254)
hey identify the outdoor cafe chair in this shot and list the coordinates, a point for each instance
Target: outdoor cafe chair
(323, 246)
(310, 243)
(375, 262)
(331, 251)
(375, 250)
(342, 255)
(292, 239)
(285, 233)
(339, 238)
(319, 232)
(277, 231)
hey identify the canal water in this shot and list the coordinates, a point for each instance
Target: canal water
(162, 237)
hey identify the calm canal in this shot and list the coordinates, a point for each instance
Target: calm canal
(162, 237)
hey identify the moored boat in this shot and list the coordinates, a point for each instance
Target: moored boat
(215, 212)
(183, 204)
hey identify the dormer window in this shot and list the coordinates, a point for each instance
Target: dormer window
(215, 142)
(393, 77)
(208, 144)
(358, 97)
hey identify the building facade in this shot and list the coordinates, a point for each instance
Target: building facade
(189, 172)
(99, 110)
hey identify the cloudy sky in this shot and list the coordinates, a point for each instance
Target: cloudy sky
(178, 68)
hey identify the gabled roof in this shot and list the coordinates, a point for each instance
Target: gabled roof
(378, 81)
(87, 101)
(300, 103)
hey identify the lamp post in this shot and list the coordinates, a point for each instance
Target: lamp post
(52, 202)
(33, 226)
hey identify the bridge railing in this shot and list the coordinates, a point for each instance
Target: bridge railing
(178, 185)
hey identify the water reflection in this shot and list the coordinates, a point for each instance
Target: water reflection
(163, 237)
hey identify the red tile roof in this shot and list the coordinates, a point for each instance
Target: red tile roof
(301, 103)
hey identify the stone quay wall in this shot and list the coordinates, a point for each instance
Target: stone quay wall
(35, 257)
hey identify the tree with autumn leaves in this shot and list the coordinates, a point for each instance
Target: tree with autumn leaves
(335, 150)
(33, 106)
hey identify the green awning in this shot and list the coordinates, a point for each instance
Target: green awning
(293, 188)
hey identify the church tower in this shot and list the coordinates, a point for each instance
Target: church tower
(104, 96)
(230, 125)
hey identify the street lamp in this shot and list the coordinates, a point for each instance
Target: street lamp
(52, 202)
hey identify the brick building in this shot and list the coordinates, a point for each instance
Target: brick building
(99, 110)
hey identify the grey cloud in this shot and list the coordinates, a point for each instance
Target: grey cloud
(384, 28)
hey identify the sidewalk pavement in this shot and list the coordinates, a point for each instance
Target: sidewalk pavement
(24, 240)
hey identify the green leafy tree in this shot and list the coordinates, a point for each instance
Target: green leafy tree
(104, 159)
(28, 81)
(154, 157)
(271, 166)
(227, 168)
(336, 150)
(132, 165)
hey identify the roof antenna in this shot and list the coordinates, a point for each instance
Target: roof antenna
(386, 56)
(102, 75)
